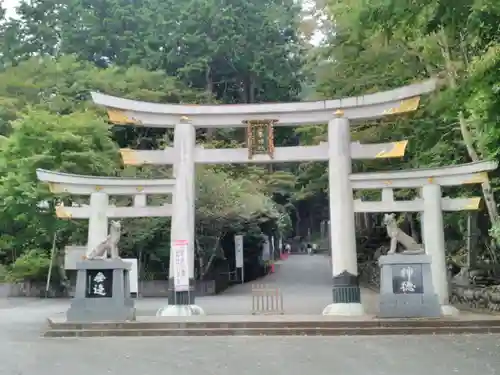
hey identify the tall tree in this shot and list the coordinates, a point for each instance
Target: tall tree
(243, 51)
(383, 44)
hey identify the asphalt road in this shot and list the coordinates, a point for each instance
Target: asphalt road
(306, 284)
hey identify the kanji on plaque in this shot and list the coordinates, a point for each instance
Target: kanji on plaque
(181, 265)
(99, 284)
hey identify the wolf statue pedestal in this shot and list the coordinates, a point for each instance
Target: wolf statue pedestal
(406, 289)
(102, 285)
(102, 292)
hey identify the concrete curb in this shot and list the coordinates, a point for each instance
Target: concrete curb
(275, 328)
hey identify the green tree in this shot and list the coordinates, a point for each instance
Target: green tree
(244, 51)
(382, 44)
(76, 143)
(195, 51)
(31, 266)
(63, 86)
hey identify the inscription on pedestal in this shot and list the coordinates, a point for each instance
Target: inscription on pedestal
(406, 289)
(102, 292)
(407, 279)
(99, 284)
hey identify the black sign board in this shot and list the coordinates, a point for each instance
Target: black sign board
(407, 279)
(99, 284)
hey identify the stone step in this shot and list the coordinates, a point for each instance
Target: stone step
(297, 331)
(277, 324)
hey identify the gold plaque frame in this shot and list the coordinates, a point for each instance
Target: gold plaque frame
(260, 137)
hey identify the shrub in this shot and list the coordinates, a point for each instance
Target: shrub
(31, 266)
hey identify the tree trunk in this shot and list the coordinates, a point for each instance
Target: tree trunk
(368, 221)
(251, 89)
(199, 256)
(244, 90)
(297, 222)
(209, 87)
(451, 75)
(413, 227)
(204, 271)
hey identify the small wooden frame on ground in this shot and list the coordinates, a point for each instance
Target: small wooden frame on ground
(266, 300)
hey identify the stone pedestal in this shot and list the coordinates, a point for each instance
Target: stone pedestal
(180, 310)
(406, 288)
(185, 297)
(346, 296)
(102, 292)
(180, 303)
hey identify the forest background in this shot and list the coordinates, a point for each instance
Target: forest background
(54, 52)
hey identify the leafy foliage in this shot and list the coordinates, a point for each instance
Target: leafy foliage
(384, 44)
(56, 52)
(75, 143)
(31, 266)
(204, 51)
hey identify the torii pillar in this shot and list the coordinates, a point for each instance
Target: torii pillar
(181, 299)
(345, 283)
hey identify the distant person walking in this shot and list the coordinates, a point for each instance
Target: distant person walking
(288, 248)
(309, 248)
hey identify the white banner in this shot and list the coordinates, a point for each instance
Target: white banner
(266, 250)
(181, 265)
(133, 275)
(73, 255)
(238, 250)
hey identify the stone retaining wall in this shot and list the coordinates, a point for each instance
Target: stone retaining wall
(159, 288)
(476, 297)
(26, 289)
(152, 288)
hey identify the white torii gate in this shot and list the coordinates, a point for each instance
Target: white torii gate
(430, 203)
(100, 188)
(339, 151)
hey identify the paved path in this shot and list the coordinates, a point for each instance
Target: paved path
(306, 284)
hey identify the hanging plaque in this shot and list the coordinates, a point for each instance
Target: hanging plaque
(260, 137)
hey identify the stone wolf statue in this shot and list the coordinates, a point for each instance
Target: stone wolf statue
(109, 245)
(398, 236)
